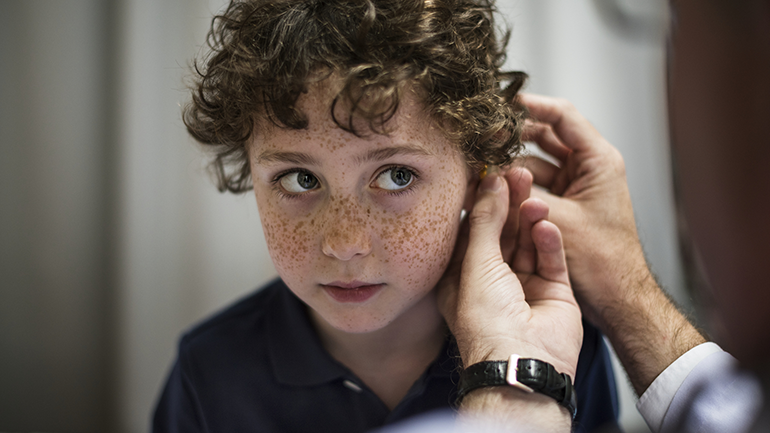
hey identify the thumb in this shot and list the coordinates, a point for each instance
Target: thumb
(487, 219)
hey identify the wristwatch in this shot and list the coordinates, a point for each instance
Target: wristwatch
(526, 374)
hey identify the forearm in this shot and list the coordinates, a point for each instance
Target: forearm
(513, 410)
(646, 329)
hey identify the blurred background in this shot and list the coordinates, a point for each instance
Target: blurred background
(113, 239)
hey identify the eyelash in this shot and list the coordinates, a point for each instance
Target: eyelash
(277, 178)
(408, 190)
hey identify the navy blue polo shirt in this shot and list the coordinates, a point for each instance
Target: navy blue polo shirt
(259, 366)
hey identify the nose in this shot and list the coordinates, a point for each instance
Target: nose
(346, 233)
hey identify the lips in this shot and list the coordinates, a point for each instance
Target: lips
(351, 292)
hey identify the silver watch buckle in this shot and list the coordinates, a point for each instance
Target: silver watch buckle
(511, 375)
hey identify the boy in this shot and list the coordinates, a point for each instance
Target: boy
(360, 126)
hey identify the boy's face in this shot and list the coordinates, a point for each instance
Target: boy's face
(359, 228)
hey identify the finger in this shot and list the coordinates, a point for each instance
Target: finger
(566, 214)
(562, 180)
(551, 261)
(554, 284)
(486, 222)
(555, 179)
(546, 139)
(573, 130)
(543, 172)
(525, 258)
(519, 182)
(548, 175)
(551, 200)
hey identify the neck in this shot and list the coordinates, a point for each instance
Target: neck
(390, 359)
(416, 329)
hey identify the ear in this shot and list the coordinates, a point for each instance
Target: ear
(470, 190)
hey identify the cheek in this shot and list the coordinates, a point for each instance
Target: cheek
(288, 238)
(421, 241)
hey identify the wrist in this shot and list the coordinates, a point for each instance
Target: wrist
(525, 374)
(501, 350)
(559, 347)
(647, 330)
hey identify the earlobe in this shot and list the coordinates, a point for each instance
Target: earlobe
(470, 192)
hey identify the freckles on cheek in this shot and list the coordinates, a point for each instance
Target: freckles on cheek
(288, 241)
(422, 240)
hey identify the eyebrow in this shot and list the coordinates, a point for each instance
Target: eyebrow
(389, 152)
(300, 158)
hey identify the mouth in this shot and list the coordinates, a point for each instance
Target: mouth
(351, 292)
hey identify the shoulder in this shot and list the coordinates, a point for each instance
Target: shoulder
(219, 362)
(244, 317)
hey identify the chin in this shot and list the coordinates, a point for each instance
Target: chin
(357, 325)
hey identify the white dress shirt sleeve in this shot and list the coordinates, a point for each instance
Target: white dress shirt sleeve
(654, 403)
(705, 391)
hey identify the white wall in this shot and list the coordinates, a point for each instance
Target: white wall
(185, 249)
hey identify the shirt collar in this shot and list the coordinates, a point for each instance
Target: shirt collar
(448, 362)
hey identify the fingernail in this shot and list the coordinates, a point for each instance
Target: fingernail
(491, 182)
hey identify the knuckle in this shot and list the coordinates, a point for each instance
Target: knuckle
(617, 161)
(565, 104)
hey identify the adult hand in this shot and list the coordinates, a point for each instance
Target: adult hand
(512, 294)
(507, 292)
(590, 203)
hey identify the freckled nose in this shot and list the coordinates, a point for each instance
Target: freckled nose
(346, 234)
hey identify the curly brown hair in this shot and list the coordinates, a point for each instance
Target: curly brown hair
(264, 53)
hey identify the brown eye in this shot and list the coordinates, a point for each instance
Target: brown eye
(298, 182)
(394, 179)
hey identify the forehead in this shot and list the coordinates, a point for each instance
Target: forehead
(411, 126)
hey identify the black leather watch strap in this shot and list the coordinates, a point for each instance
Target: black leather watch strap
(529, 375)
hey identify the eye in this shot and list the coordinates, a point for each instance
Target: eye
(297, 182)
(394, 179)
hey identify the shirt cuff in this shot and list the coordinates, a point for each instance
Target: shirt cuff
(654, 403)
